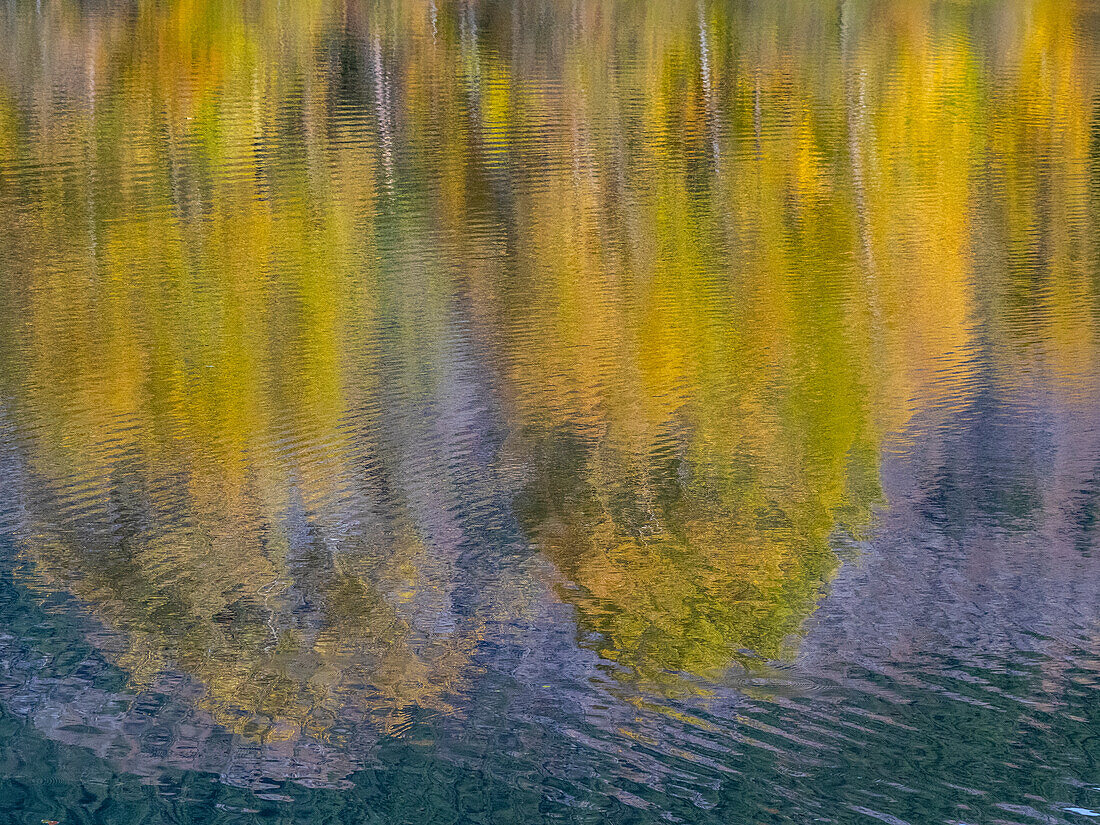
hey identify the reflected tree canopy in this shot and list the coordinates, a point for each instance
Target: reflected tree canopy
(325, 325)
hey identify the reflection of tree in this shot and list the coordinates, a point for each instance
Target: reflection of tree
(278, 633)
(704, 395)
(675, 573)
(710, 257)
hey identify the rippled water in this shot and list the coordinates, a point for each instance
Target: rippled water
(606, 411)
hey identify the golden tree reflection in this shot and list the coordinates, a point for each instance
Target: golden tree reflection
(275, 272)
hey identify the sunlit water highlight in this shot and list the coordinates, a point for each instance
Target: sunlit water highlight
(512, 412)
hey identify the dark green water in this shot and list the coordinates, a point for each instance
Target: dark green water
(606, 411)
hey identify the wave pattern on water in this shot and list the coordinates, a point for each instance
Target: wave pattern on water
(498, 411)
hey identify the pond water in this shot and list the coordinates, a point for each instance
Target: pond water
(469, 411)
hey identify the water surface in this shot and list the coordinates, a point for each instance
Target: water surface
(507, 412)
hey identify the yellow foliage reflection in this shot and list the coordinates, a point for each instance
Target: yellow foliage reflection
(305, 303)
